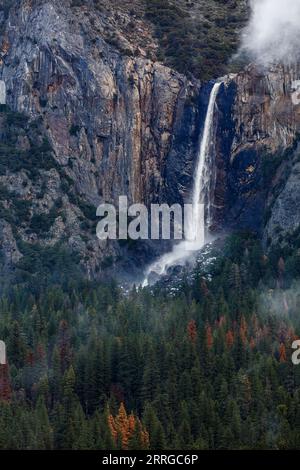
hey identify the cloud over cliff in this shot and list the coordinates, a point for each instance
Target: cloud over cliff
(273, 32)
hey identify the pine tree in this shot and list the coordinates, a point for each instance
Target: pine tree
(192, 331)
(44, 431)
(64, 346)
(5, 388)
(127, 429)
(282, 353)
(55, 376)
(16, 346)
(243, 330)
(184, 430)
(155, 429)
(229, 339)
(69, 402)
(209, 337)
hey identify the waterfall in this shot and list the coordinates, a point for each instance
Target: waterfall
(199, 222)
(202, 174)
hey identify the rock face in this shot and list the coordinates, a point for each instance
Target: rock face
(257, 131)
(118, 123)
(267, 108)
(87, 115)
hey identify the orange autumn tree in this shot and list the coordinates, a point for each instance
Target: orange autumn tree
(282, 353)
(229, 339)
(5, 388)
(243, 330)
(192, 331)
(209, 337)
(124, 428)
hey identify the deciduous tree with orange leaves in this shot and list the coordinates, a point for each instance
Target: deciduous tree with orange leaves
(229, 339)
(243, 330)
(282, 353)
(192, 331)
(5, 388)
(124, 428)
(209, 337)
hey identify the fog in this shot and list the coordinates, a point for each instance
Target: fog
(273, 32)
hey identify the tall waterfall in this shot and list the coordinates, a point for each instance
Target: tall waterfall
(200, 221)
(203, 169)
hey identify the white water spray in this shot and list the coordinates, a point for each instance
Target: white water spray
(203, 170)
(201, 195)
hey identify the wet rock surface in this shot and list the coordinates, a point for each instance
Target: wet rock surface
(117, 122)
(257, 129)
(88, 114)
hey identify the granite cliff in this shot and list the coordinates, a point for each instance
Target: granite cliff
(88, 113)
(114, 122)
(257, 151)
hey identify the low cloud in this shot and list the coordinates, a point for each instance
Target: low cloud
(273, 32)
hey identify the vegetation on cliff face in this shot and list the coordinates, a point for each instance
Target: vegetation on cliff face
(26, 163)
(198, 37)
(208, 367)
(82, 71)
(36, 197)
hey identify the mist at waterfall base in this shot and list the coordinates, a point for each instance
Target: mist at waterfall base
(273, 32)
(201, 220)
